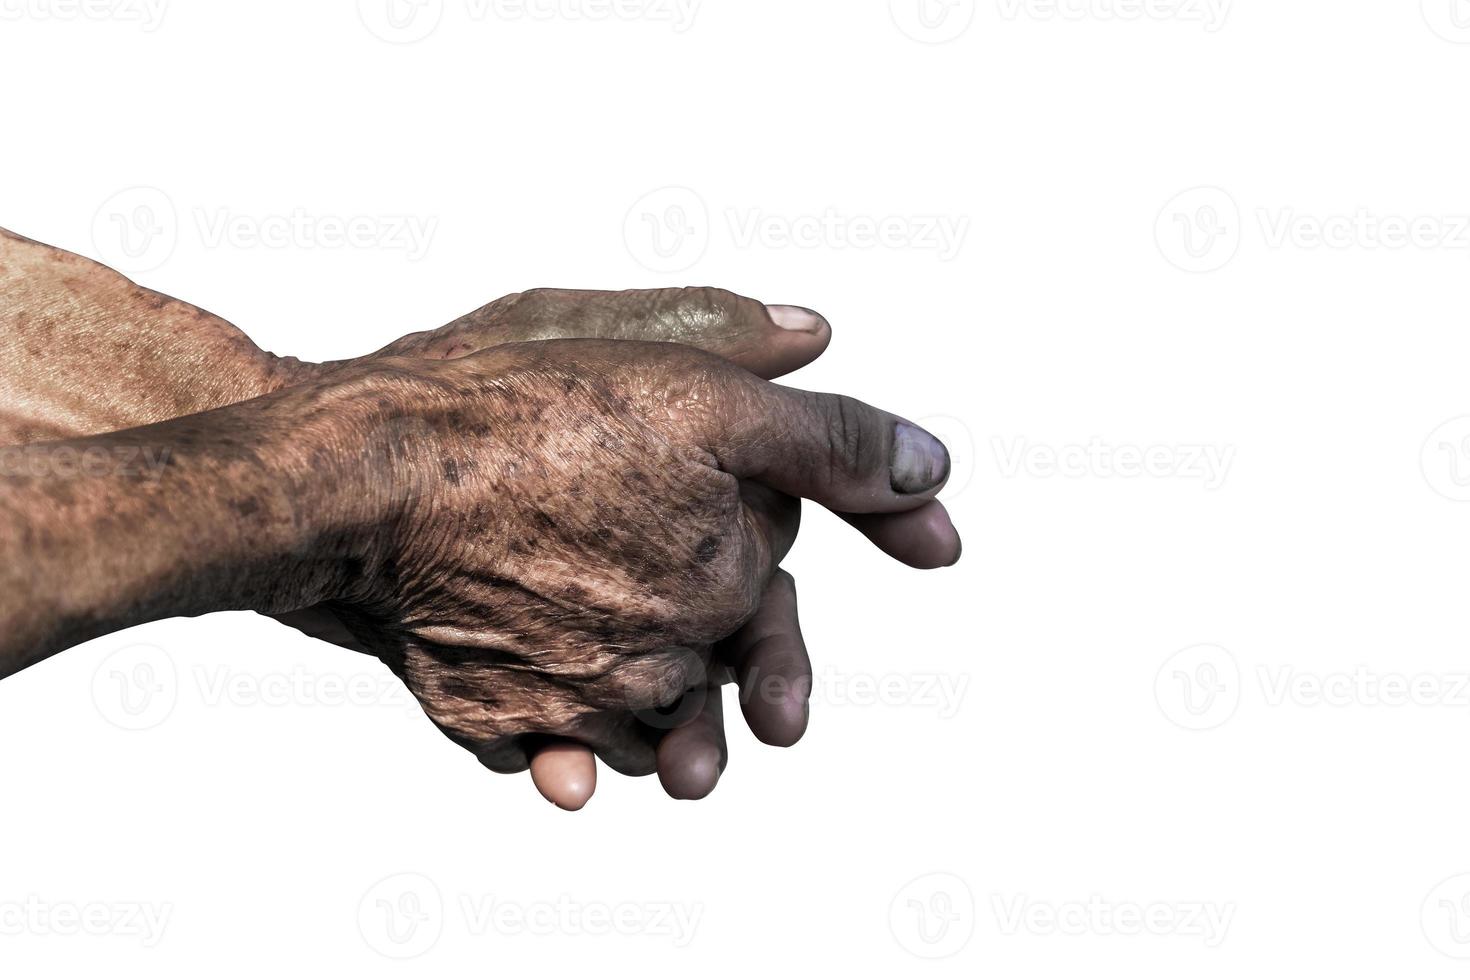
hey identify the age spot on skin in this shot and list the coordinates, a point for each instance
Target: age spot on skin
(706, 550)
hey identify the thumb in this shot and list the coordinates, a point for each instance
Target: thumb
(836, 450)
(767, 341)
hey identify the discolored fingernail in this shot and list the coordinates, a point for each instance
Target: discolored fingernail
(920, 461)
(796, 318)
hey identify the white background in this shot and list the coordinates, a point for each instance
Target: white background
(1203, 719)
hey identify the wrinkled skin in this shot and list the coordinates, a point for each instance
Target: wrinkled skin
(584, 550)
(560, 561)
(542, 538)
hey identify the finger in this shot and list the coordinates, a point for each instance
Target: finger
(564, 772)
(833, 449)
(777, 515)
(921, 538)
(692, 757)
(772, 667)
(768, 341)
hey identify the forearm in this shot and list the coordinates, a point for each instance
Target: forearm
(83, 350)
(224, 510)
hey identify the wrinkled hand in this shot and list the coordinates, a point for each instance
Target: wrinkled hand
(563, 531)
(85, 350)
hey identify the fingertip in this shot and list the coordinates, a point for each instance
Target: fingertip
(781, 723)
(794, 337)
(921, 538)
(688, 769)
(565, 773)
(775, 690)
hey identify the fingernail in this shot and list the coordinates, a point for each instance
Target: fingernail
(920, 461)
(796, 318)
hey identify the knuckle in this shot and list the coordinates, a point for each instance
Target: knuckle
(532, 305)
(657, 678)
(535, 296)
(702, 304)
